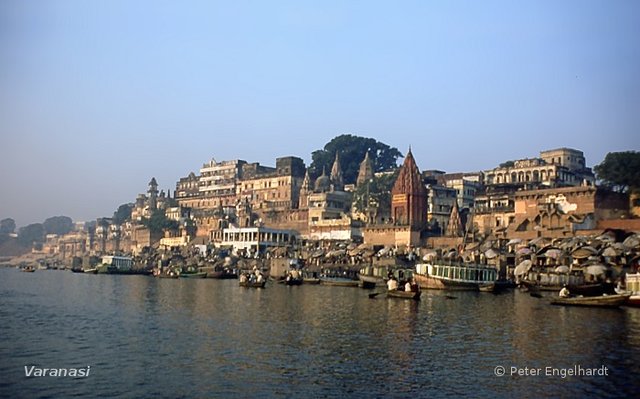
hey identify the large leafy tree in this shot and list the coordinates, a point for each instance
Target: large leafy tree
(375, 194)
(33, 233)
(122, 214)
(58, 225)
(159, 222)
(352, 150)
(620, 170)
(7, 226)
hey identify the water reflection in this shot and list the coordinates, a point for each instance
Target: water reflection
(168, 338)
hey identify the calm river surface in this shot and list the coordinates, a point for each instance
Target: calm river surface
(148, 337)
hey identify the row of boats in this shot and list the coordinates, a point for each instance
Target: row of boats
(440, 275)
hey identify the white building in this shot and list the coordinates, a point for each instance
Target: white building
(256, 238)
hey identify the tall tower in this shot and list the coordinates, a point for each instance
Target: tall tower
(365, 173)
(153, 194)
(305, 189)
(409, 196)
(454, 228)
(336, 175)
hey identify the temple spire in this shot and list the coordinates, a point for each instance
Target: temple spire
(365, 173)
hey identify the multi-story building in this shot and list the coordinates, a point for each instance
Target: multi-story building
(467, 185)
(555, 168)
(273, 189)
(440, 200)
(218, 181)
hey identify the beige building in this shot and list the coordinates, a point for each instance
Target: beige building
(273, 189)
(554, 212)
(554, 168)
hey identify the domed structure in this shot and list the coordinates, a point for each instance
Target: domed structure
(323, 183)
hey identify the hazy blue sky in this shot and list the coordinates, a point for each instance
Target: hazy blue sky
(96, 97)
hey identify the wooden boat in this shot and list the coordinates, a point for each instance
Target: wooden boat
(222, 274)
(194, 275)
(338, 281)
(255, 284)
(28, 269)
(370, 281)
(597, 289)
(491, 287)
(293, 281)
(310, 280)
(415, 295)
(607, 301)
(632, 282)
(371, 277)
(167, 275)
(552, 281)
(454, 276)
(93, 270)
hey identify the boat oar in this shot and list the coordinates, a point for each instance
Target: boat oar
(451, 297)
(375, 294)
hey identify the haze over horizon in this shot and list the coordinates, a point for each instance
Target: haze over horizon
(98, 97)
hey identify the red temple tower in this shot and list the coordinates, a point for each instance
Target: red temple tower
(409, 196)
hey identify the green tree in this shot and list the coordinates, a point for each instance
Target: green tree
(7, 226)
(620, 171)
(352, 150)
(123, 214)
(159, 222)
(58, 225)
(31, 234)
(377, 193)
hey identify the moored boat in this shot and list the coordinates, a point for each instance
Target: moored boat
(194, 275)
(28, 269)
(338, 281)
(454, 276)
(222, 274)
(415, 295)
(608, 301)
(168, 275)
(254, 284)
(491, 287)
(632, 282)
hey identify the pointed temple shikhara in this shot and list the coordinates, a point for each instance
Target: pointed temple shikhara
(409, 196)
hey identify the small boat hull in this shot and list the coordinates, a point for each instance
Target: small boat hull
(432, 283)
(339, 282)
(404, 294)
(634, 301)
(222, 275)
(194, 275)
(248, 284)
(606, 301)
(491, 287)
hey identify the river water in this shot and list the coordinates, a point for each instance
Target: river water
(148, 337)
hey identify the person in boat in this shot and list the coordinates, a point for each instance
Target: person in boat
(407, 286)
(243, 278)
(564, 292)
(260, 278)
(392, 284)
